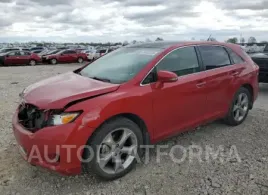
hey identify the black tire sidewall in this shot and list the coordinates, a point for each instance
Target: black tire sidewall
(230, 117)
(98, 137)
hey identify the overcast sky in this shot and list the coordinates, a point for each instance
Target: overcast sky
(119, 20)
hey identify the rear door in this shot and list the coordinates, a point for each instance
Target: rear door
(73, 56)
(64, 56)
(24, 57)
(180, 104)
(12, 58)
(221, 76)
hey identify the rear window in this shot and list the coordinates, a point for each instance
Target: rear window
(236, 58)
(214, 56)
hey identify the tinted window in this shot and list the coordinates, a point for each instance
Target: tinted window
(214, 56)
(181, 61)
(25, 53)
(121, 65)
(14, 53)
(69, 52)
(236, 58)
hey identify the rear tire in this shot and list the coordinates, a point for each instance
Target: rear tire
(32, 62)
(53, 61)
(106, 143)
(80, 60)
(239, 108)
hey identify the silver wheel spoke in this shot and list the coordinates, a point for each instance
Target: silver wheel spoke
(242, 111)
(124, 138)
(103, 161)
(118, 163)
(240, 97)
(129, 150)
(109, 140)
(235, 107)
(237, 114)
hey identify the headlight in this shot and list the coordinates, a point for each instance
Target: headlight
(64, 118)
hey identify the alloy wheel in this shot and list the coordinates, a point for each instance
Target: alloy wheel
(53, 61)
(117, 151)
(80, 60)
(241, 107)
(32, 63)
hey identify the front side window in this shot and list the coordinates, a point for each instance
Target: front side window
(25, 53)
(214, 56)
(182, 61)
(121, 65)
(14, 53)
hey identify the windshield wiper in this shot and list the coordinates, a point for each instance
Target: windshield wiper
(101, 79)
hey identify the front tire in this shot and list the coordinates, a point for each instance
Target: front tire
(53, 61)
(80, 60)
(239, 108)
(115, 145)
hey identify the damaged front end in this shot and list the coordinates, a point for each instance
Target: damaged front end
(31, 117)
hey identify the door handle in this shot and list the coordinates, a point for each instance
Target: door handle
(234, 73)
(201, 84)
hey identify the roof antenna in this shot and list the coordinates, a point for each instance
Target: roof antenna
(209, 38)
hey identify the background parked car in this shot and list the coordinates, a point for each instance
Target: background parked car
(38, 48)
(261, 59)
(101, 52)
(37, 51)
(65, 56)
(5, 50)
(20, 58)
(90, 54)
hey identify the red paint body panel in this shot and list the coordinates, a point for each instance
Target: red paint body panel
(165, 108)
(21, 60)
(58, 91)
(67, 58)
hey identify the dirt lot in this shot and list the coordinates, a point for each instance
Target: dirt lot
(248, 176)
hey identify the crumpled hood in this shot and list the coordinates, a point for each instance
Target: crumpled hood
(58, 91)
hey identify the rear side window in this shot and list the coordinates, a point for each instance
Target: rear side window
(214, 56)
(236, 58)
(182, 61)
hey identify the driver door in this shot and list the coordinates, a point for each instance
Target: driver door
(182, 104)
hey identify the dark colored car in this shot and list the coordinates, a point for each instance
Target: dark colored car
(261, 59)
(99, 115)
(65, 56)
(37, 48)
(19, 58)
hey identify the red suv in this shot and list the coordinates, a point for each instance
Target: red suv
(65, 56)
(134, 96)
(19, 58)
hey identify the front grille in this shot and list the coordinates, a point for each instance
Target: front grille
(31, 117)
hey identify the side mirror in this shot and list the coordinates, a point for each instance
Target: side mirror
(7, 55)
(166, 76)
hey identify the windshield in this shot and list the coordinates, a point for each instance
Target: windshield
(121, 65)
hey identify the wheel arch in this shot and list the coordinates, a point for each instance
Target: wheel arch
(134, 118)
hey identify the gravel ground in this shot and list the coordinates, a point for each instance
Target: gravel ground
(244, 175)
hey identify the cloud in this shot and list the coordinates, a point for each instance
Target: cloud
(119, 20)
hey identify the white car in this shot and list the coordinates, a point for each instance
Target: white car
(90, 54)
(101, 52)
